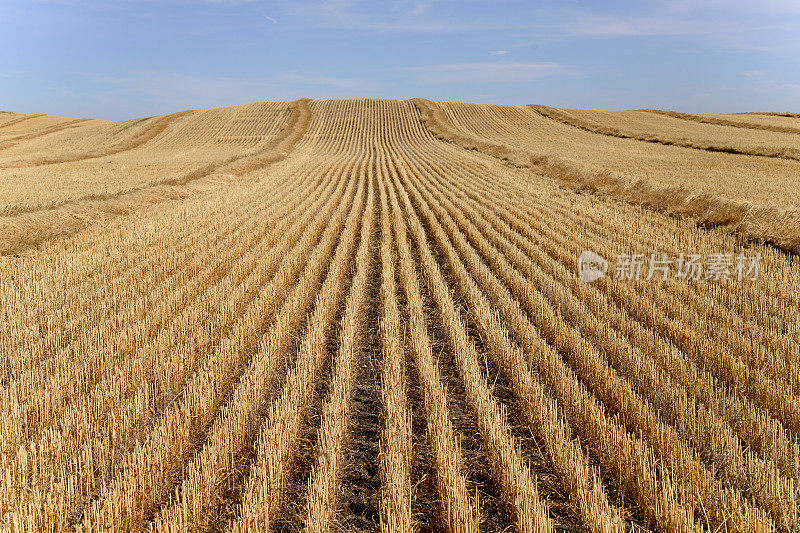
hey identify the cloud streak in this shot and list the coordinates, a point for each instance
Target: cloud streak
(271, 19)
(181, 91)
(485, 72)
(402, 16)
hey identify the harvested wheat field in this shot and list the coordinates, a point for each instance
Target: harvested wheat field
(362, 315)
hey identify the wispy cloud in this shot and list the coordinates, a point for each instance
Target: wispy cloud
(271, 19)
(411, 16)
(773, 7)
(602, 25)
(484, 72)
(564, 20)
(181, 91)
(419, 7)
(734, 20)
(234, 51)
(787, 90)
(13, 73)
(298, 77)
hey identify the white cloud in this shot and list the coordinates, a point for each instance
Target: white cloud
(498, 52)
(752, 73)
(505, 72)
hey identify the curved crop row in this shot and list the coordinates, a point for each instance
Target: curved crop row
(30, 229)
(570, 119)
(776, 225)
(387, 330)
(41, 133)
(726, 122)
(17, 120)
(243, 316)
(153, 130)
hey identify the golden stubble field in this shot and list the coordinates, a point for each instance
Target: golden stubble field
(359, 315)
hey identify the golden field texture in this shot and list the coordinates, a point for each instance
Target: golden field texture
(362, 315)
(756, 196)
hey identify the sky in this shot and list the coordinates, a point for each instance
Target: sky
(124, 59)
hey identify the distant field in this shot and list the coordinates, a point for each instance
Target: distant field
(360, 315)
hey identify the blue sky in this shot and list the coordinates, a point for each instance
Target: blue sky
(122, 59)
